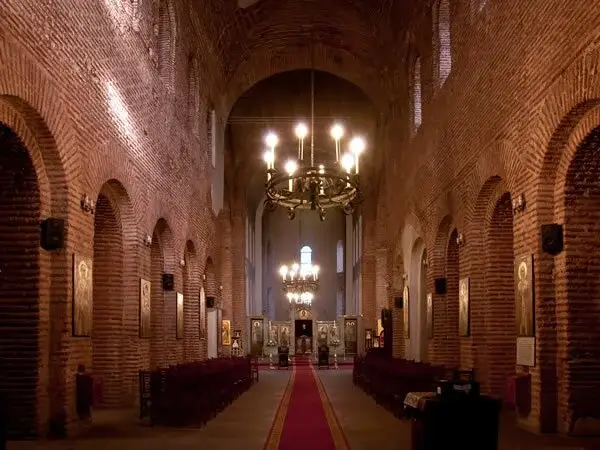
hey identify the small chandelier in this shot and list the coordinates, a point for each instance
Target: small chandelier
(300, 284)
(308, 186)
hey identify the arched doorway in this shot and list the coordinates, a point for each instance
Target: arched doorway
(191, 295)
(417, 308)
(107, 315)
(213, 327)
(578, 279)
(20, 206)
(499, 315)
(161, 245)
(451, 320)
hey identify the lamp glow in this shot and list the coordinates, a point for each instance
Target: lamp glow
(347, 162)
(290, 167)
(357, 145)
(271, 140)
(337, 131)
(301, 131)
(283, 271)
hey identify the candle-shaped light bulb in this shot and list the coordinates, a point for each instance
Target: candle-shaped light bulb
(271, 140)
(283, 271)
(357, 146)
(301, 131)
(295, 267)
(290, 296)
(290, 168)
(337, 133)
(347, 162)
(315, 271)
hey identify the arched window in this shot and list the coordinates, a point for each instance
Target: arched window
(165, 44)
(444, 47)
(193, 95)
(417, 112)
(211, 124)
(340, 257)
(305, 257)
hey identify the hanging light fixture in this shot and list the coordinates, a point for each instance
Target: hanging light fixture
(300, 282)
(304, 184)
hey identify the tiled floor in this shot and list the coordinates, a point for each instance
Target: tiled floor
(369, 426)
(246, 423)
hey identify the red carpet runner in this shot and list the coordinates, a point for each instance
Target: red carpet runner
(305, 419)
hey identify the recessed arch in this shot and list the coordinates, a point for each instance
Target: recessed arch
(492, 304)
(160, 250)
(417, 301)
(261, 65)
(577, 289)
(166, 22)
(20, 283)
(191, 298)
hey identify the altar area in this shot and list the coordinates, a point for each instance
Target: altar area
(303, 334)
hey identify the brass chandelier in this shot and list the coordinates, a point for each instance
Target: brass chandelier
(300, 283)
(305, 185)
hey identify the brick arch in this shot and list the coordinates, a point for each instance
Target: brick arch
(108, 306)
(487, 245)
(551, 292)
(160, 250)
(20, 282)
(576, 204)
(452, 342)
(438, 346)
(46, 158)
(417, 292)
(27, 123)
(500, 329)
(441, 245)
(191, 295)
(166, 38)
(211, 284)
(261, 65)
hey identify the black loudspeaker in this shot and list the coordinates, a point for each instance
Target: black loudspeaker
(552, 238)
(52, 234)
(386, 315)
(399, 302)
(210, 302)
(440, 286)
(168, 281)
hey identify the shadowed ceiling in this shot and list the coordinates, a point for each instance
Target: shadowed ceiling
(277, 104)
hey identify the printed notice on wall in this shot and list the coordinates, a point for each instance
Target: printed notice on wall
(526, 351)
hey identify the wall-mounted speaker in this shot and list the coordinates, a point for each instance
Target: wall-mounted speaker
(399, 302)
(386, 316)
(440, 286)
(552, 238)
(168, 281)
(210, 302)
(52, 234)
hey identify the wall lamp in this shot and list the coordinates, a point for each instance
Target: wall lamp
(518, 204)
(460, 239)
(148, 240)
(182, 263)
(87, 204)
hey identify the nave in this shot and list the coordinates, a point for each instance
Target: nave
(252, 423)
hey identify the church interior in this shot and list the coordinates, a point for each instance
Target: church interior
(269, 224)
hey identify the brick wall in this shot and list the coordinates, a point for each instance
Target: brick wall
(19, 344)
(506, 122)
(98, 94)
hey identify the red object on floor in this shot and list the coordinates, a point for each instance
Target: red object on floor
(305, 426)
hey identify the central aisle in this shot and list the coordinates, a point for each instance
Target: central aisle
(305, 419)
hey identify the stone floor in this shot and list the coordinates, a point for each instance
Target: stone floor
(246, 423)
